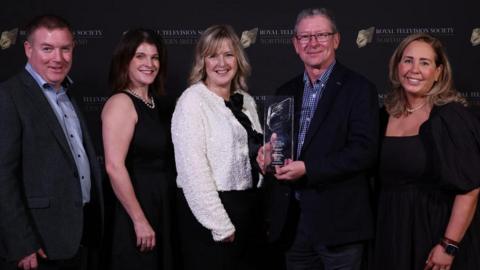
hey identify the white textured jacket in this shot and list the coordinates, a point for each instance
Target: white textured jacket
(211, 154)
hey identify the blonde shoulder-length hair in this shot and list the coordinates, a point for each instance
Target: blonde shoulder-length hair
(442, 91)
(208, 43)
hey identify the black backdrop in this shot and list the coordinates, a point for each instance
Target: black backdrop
(99, 24)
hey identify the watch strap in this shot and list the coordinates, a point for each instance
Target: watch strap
(450, 246)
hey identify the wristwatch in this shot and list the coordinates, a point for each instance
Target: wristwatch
(450, 247)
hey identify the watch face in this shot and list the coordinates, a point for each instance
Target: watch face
(451, 249)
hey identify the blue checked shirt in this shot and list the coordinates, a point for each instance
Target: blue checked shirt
(68, 120)
(311, 95)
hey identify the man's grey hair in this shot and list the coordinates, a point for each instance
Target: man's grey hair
(310, 12)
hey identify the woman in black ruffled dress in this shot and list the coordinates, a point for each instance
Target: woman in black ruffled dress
(428, 172)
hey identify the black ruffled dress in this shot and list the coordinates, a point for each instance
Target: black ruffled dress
(419, 177)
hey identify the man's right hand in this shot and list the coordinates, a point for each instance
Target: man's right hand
(30, 261)
(264, 155)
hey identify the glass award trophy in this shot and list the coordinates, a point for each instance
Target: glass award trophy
(277, 129)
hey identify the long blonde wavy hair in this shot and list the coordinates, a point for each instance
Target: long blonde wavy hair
(208, 43)
(442, 91)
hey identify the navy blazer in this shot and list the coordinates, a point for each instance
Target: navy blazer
(40, 196)
(340, 148)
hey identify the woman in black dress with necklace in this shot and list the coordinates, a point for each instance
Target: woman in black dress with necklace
(139, 154)
(428, 172)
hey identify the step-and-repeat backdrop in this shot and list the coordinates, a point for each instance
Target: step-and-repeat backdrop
(370, 31)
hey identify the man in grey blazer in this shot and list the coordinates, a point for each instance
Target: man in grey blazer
(51, 204)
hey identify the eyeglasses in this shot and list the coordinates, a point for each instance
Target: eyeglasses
(319, 37)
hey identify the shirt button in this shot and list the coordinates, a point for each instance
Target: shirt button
(71, 135)
(78, 155)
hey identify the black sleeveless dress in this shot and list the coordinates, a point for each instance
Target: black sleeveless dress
(150, 164)
(419, 177)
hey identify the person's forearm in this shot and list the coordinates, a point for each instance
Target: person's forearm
(123, 189)
(463, 211)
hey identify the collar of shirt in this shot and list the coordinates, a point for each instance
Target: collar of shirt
(43, 83)
(322, 80)
(51, 94)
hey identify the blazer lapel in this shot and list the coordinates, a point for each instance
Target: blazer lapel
(40, 103)
(296, 91)
(334, 85)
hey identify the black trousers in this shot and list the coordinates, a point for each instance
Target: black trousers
(200, 251)
(306, 254)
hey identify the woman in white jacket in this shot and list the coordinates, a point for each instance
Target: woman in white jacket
(216, 135)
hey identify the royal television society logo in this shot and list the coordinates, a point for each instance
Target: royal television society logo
(472, 96)
(275, 36)
(8, 38)
(84, 36)
(93, 103)
(266, 37)
(475, 38)
(381, 97)
(365, 36)
(393, 35)
(249, 37)
(179, 36)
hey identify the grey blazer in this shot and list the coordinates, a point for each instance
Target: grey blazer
(40, 196)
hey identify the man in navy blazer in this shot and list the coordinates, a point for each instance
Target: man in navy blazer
(50, 182)
(321, 200)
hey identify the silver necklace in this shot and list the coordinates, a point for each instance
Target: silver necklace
(411, 110)
(150, 104)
